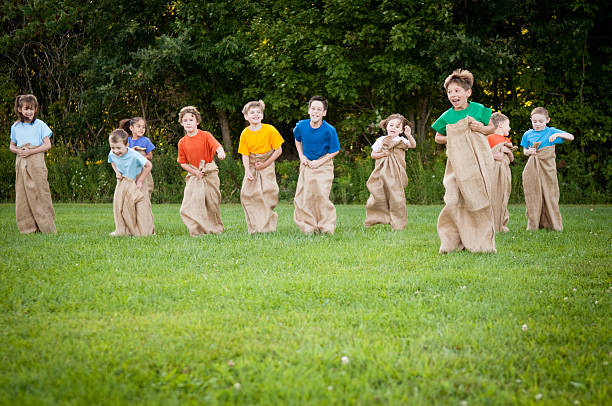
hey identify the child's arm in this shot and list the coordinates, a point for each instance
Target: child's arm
(220, 152)
(263, 165)
(565, 136)
(318, 162)
(378, 155)
(408, 134)
(247, 169)
(192, 170)
(149, 156)
(440, 139)
(143, 174)
(481, 128)
(26, 152)
(529, 151)
(117, 173)
(508, 152)
(300, 150)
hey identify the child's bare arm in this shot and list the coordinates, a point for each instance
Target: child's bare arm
(409, 137)
(529, 151)
(143, 174)
(378, 155)
(26, 152)
(192, 170)
(318, 162)
(117, 173)
(263, 165)
(565, 136)
(440, 139)
(300, 150)
(481, 128)
(247, 169)
(220, 152)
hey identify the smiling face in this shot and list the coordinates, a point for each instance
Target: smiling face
(118, 148)
(190, 123)
(138, 129)
(539, 121)
(28, 111)
(316, 111)
(503, 128)
(394, 127)
(254, 116)
(458, 96)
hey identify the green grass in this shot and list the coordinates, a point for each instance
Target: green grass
(265, 319)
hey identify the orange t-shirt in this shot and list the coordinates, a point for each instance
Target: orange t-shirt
(495, 139)
(201, 146)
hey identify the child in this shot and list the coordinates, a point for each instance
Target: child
(540, 174)
(317, 144)
(131, 206)
(387, 201)
(502, 178)
(30, 138)
(466, 221)
(136, 127)
(202, 196)
(260, 146)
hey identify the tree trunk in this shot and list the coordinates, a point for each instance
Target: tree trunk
(225, 131)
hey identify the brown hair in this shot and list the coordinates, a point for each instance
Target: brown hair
(253, 104)
(540, 110)
(498, 118)
(118, 135)
(404, 121)
(318, 98)
(192, 110)
(462, 77)
(126, 123)
(26, 99)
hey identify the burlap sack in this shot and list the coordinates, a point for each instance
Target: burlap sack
(200, 207)
(132, 210)
(259, 197)
(147, 184)
(542, 191)
(33, 205)
(466, 221)
(314, 212)
(501, 186)
(387, 201)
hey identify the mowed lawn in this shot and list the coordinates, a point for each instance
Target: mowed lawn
(366, 316)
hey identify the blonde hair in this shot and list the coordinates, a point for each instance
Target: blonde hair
(118, 135)
(383, 123)
(540, 110)
(462, 77)
(25, 99)
(498, 118)
(192, 110)
(253, 104)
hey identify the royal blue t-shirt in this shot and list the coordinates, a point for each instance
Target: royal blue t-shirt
(30, 133)
(316, 142)
(143, 142)
(532, 136)
(130, 164)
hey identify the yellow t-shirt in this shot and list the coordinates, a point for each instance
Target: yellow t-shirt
(260, 141)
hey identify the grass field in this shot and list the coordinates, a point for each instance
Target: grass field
(267, 319)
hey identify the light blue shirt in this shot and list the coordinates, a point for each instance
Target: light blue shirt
(532, 136)
(30, 133)
(316, 142)
(130, 164)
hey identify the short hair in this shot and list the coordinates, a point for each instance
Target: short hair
(540, 110)
(498, 118)
(126, 123)
(318, 98)
(462, 77)
(25, 99)
(192, 110)
(254, 104)
(402, 119)
(118, 135)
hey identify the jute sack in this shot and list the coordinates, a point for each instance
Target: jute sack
(501, 188)
(147, 184)
(259, 197)
(387, 201)
(466, 221)
(33, 205)
(132, 210)
(314, 212)
(200, 207)
(542, 191)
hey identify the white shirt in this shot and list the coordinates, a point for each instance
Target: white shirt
(377, 147)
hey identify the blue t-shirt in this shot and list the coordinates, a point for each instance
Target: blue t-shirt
(316, 142)
(30, 133)
(143, 142)
(532, 136)
(130, 164)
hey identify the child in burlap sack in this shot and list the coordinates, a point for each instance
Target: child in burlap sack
(540, 182)
(260, 146)
(466, 221)
(30, 139)
(202, 196)
(131, 205)
(136, 128)
(502, 149)
(387, 201)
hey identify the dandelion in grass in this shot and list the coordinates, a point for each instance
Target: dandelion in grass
(237, 386)
(345, 360)
(524, 327)
(463, 403)
(574, 290)
(330, 388)
(538, 396)
(566, 298)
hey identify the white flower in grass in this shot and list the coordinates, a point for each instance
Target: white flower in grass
(330, 388)
(231, 363)
(597, 301)
(345, 360)
(575, 401)
(524, 327)
(463, 287)
(566, 298)
(574, 290)
(538, 396)
(237, 386)
(463, 403)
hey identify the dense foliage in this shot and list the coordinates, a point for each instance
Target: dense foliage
(92, 64)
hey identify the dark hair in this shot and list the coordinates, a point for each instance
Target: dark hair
(497, 118)
(402, 119)
(22, 100)
(126, 123)
(318, 98)
(462, 77)
(119, 135)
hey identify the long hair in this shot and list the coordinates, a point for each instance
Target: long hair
(25, 100)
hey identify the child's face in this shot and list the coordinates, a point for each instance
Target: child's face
(503, 128)
(316, 111)
(138, 129)
(189, 123)
(118, 148)
(539, 121)
(458, 96)
(254, 116)
(394, 127)
(28, 111)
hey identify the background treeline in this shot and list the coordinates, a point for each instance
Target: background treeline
(94, 63)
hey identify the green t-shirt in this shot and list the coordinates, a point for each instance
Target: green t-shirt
(475, 110)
